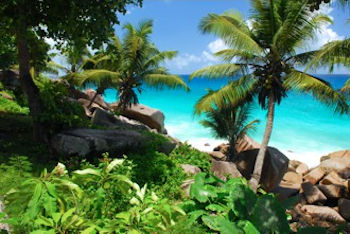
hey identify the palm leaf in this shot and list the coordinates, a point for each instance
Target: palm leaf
(161, 80)
(98, 77)
(232, 29)
(218, 71)
(234, 93)
(346, 88)
(319, 88)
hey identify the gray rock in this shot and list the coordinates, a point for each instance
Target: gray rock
(344, 208)
(217, 155)
(332, 190)
(153, 118)
(274, 167)
(190, 169)
(312, 193)
(186, 186)
(104, 118)
(323, 213)
(85, 142)
(223, 169)
(315, 175)
(98, 100)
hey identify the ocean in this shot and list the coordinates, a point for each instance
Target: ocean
(304, 129)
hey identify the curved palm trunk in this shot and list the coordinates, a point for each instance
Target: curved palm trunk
(28, 85)
(98, 91)
(255, 179)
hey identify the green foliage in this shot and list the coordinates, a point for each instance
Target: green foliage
(230, 123)
(10, 106)
(163, 175)
(59, 112)
(128, 64)
(7, 51)
(186, 154)
(232, 207)
(265, 55)
(93, 199)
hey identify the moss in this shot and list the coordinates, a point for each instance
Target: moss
(12, 107)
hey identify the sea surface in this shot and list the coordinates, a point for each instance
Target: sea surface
(304, 129)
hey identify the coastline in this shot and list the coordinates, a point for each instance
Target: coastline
(311, 158)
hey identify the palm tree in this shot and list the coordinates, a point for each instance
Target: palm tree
(127, 65)
(262, 51)
(230, 123)
(331, 54)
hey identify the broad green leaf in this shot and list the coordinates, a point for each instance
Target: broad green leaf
(56, 217)
(241, 200)
(215, 207)
(113, 164)
(134, 201)
(269, 216)
(88, 171)
(51, 189)
(44, 221)
(248, 227)
(290, 202)
(67, 214)
(89, 230)
(221, 224)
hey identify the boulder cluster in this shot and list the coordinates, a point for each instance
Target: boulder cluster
(323, 192)
(115, 133)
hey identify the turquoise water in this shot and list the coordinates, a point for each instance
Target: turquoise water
(302, 125)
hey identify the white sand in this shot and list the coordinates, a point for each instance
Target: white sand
(312, 159)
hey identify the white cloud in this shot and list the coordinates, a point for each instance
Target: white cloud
(183, 60)
(326, 33)
(217, 45)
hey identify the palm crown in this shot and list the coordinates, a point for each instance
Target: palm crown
(128, 64)
(263, 51)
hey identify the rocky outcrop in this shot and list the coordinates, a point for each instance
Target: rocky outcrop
(324, 194)
(98, 100)
(246, 143)
(10, 79)
(274, 167)
(190, 169)
(218, 155)
(153, 118)
(89, 142)
(224, 169)
(104, 118)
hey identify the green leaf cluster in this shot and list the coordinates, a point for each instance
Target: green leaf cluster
(232, 207)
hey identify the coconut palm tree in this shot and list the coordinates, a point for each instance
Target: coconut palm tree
(230, 123)
(331, 54)
(262, 52)
(127, 65)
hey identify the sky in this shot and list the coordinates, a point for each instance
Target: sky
(176, 28)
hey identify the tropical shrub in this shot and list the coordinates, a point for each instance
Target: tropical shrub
(59, 112)
(186, 154)
(10, 106)
(230, 123)
(91, 200)
(232, 207)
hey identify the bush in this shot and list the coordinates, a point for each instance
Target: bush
(87, 201)
(59, 111)
(162, 174)
(185, 154)
(12, 107)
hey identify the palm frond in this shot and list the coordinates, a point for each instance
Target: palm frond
(234, 93)
(220, 71)
(98, 77)
(161, 80)
(159, 58)
(231, 54)
(332, 53)
(320, 89)
(346, 88)
(232, 28)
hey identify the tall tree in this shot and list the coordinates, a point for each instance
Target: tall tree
(128, 64)
(263, 51)
(60, 20)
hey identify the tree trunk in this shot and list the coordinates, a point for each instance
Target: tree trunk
(27, 84)
(98, 91)
(255, 179)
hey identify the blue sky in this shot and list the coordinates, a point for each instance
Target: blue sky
(176, 28)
